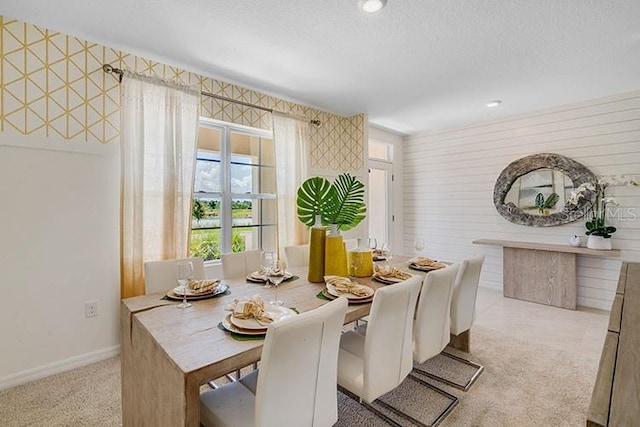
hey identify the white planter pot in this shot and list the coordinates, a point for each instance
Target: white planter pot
(599, 243)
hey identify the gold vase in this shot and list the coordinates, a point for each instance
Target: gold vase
(316, 252)
(335, 254)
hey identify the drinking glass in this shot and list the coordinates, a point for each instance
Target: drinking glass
(419, 245)
(386, 252)
(268, 261)
(184, 274)
(373, 243)
(276, 276)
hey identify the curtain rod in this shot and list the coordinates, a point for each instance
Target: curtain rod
(107, 68)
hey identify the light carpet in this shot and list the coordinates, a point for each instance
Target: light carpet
(524, 384)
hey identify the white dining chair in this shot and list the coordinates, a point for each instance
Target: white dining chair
(160, 276)
(376, 359)
(432, 322)
(463, 303)
(296, 383)
(431, 326)
(462, 315)
(240, 264)
(297, 256)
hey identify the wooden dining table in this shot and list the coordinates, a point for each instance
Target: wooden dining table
(168, 353)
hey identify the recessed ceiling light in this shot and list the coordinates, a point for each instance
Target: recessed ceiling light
(494, 103)
(371, 6)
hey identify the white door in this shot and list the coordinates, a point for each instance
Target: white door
(380, 201)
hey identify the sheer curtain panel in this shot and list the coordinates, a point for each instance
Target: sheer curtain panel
(291, 137)
(158, 137)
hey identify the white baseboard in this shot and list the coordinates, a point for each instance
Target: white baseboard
(57, 367)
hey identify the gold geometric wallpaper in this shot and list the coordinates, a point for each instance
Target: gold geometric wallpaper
(52, 84)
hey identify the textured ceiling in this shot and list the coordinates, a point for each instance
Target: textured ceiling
(416, 65)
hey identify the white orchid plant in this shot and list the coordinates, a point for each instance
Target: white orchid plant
(597, 225)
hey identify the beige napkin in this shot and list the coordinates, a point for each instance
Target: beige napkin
(251, 308)
(427, 262)
(202, 286)
(261, 273)
(344, 285)
(391, 273)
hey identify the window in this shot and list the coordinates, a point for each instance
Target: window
(380, 150)
(234, 206)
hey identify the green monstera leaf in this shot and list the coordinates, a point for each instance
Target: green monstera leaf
(348, 208)
(313, 196)
(340, 203)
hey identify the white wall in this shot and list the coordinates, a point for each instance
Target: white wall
(449, 179)
(59, 246)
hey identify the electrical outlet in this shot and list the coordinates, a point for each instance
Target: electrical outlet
(90, 309)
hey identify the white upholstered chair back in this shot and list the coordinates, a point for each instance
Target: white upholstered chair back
(298, 369)
(432, 322)
(465, 292)
(160, 276)
(297, 256)
(375, 364)
(240, 264)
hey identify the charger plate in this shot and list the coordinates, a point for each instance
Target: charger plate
(277, 313)
(226, 323)
(351, 301)
(260, 278)
(220, 289)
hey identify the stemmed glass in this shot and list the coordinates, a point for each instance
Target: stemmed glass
(386, 252)
(419, 245)
(185, 273)
(373, 243)
(276, 276)
(268, 263)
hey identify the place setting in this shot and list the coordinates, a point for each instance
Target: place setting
(250, 317)
(262, 275)
(189, 289)
(356, 293)
(389, 275)
(423, 263)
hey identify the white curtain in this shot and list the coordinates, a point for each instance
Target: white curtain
(159, 125)
(291, 137)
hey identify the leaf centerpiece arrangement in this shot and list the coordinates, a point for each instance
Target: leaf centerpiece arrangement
(341, 203)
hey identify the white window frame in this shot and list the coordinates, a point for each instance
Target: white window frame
(225, 195)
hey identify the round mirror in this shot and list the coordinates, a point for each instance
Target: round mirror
(534, 190)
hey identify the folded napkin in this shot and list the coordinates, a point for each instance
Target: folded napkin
(202, 286)
(262, 273)
(344, 285)
(391, 273)
(251, 308)
(422, 261)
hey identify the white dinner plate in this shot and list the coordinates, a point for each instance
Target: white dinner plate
(333, 291)
(277, 313)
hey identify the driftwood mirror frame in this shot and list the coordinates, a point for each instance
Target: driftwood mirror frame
(577, 172)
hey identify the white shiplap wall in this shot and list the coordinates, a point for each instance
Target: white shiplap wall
(449, 179)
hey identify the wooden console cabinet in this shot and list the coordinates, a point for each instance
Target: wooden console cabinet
(616, 395)
(542, 273)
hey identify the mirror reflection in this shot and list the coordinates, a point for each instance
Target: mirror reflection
(540, 192)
